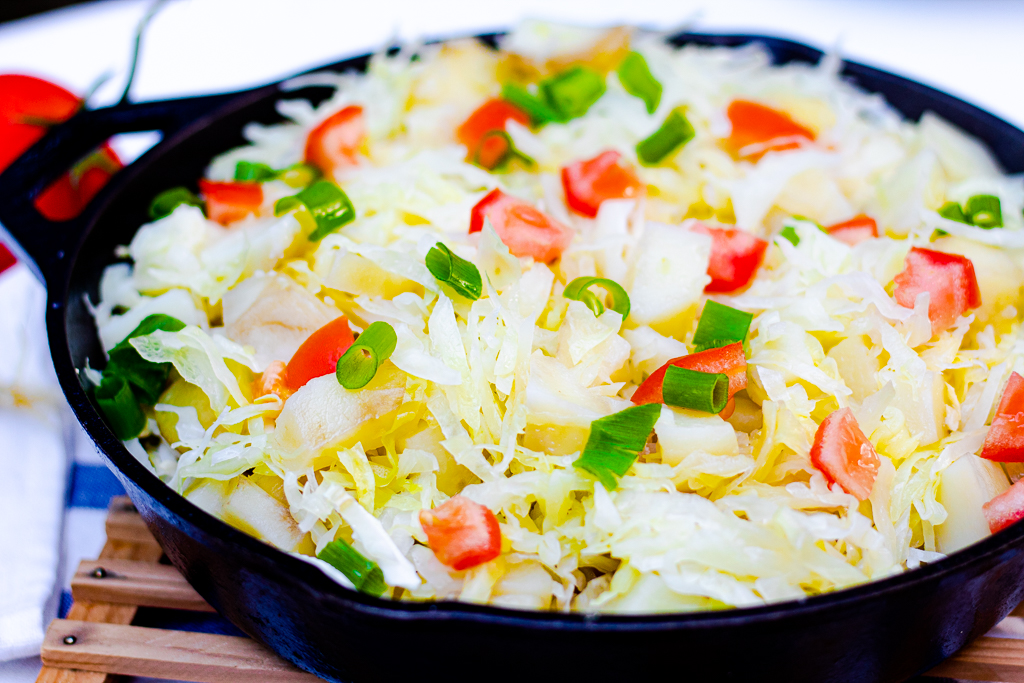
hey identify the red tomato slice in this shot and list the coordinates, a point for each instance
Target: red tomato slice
(230, 202)
(492, 115)
(319, 354)
(28, 106)
(1006, 508)
(757, 129)
(735, 257)
(462, 533)
(1005, 439)
(607, 176)
(855, 230)
(844, 454)
(524, 230)
(729, 360)
(66, 197)
(335, 142)
(950, 280)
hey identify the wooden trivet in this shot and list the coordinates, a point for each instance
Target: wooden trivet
(97, 640)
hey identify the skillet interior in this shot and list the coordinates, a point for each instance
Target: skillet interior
(883, 631)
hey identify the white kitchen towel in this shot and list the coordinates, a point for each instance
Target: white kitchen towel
(33, 466)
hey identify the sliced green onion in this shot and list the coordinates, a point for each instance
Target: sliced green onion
(146, 377)
(456, 272)
(119, 405)
(985, 211)
(298, 175)
(363, 573)
(720, 325)
(704, 391)
(359, 364)
(330, 206)
(638, 81)
(571, 93)
(579, 289)
(615, 441)
(675, 132)
(253, 172)
(538, 110)
(788, 233)
(953, 212)
(167, 201)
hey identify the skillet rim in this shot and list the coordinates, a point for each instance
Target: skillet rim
(310, 579)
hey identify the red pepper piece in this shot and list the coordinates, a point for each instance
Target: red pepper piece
(319, 354)
(844, 454)
(462, 533)
(948, 278)
(524, 230)
(855, 230)
(335, 142)
(728, 360)
(589, 183)
(735, 257)
(230, 202)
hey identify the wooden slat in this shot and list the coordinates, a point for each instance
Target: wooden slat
(113, 549)
(158, 653)
(129, 582)
(128, 527)
(986, 659)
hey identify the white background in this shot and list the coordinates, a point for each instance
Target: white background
(971, 48)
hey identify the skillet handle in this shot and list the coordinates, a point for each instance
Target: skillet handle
(42, 243)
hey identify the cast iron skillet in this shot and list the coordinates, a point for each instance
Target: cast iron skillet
(882, 631)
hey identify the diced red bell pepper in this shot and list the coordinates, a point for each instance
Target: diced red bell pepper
(844, 455)
(230, 202)
(855, 230)
(319, 354)
(66, 197)
(729, 360)
(524, 230)
(477, 131)
(1005, 439)
(1006, 508)
(335, 142)
(948, 278)
(735, 257)
(589, 183)
(757, 129)
(462, 533)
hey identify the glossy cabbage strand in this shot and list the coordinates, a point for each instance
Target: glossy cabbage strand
(358, 365)
(704, 391)
(720, 325)
(675, 132)
(579, 289)
(364, 574)
(615, 441)
(454, 271)
(326, 202)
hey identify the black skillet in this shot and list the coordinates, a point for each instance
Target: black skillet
(883, 631)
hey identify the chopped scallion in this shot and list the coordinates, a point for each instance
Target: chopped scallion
(167, 201)
(704, 391)
(538, 110)
(615, 441)
(788, 233)
(953, 212)
(364, 574)
(720, 325)
(571, 93)
(330, 206)
(119, 405)
(253, 172)
(147, 378)
(454, 271)
(579, 289)
(985, 211)
(638, 81)
(359, 363)
(675, 132)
